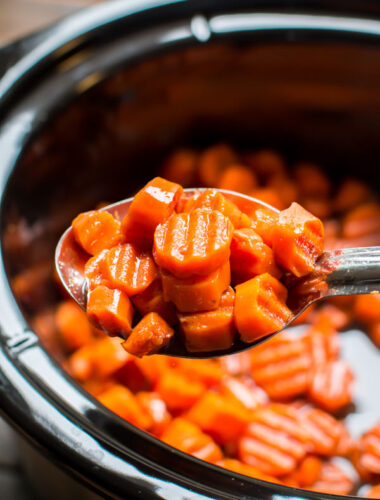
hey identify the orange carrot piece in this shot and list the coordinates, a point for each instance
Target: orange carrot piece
(178, 392)
(213, 161)
(121, 401)
(181, 167)
(297, 240)
(250, 256)
(308, 471)
(244, 391)
(246, 470)
(373, 492)
(129, 269)
(366, 456)
(237, 364)
(362, 221)
(332, 480)
(367, 308)
(207, 371)
(73, 325)
(152, 367)
(150, 335)
(260, 307)
(266, 163)
(196, 293)
(237, 178)
(319, 207)
(351, 193)
(152, 205)
(312, 181)
(96, 230)
(210, 330)
(193, 243)
(263, 222)
(285, 188)
(94, 270)
(268, 195)
(155, 407)
(152, 300)
(110, 310)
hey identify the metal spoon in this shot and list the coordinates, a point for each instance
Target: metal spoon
(349, 271)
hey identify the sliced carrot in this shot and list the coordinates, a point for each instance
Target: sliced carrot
(250, 256)
(263, 222)
(286, 189)
(366, 457)
(178, 391)
(297, 240)
(193, 243)
(362, 221)
(207, 371)
(152, 300)
(110, 310)
(237, 364)
(260, 307)
(309, 471)
(373, 492)
(181, 167)
(152, 367)
(323, 341)
(129, 269)
(211, 330)
(73, 325)
(246, 470)
(319, 207)
(96, 230)
(237, 178)
(197, 293)
(244, 391)
(351, 193)
(266, 163)
(268, 195)
(153, 204)
(339, 318)
(332, 480)
(312, 181)
(155, 407)
(150, 335)
(213, 161)
(94, 270)
(367, 308)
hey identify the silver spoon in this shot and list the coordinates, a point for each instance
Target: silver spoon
(350, 271)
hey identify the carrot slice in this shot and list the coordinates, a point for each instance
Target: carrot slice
(196, 293)
(213, 161)
(129, 269)
(332, 480)
(367, 308)
(362, 221)
(207, 371)
(193, 243)
(155, 407)
(266, 163)
(250, 256)
(73, 325)
(150, 335)
(263, 222)
(153, 204)
(351, 193)
(373, 492)
(181, 167)
(260, 307)
(312, 181)
(211, 330)
(246, 470)
(152, 300)
(237, 178)
(297, 240)
(110, 310)
(308, 471)
(268, 195)
(366, 457)
(178, 391)
(96, 230)
(94, 270)
(244, 391)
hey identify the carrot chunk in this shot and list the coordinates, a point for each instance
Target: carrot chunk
(366, 457)
(332, 480)
(237, 178)
(94, 270)
(152, 300)
(129, 269)
(197, 293)
(73, 325)
(110, 310)
(153, 204)
(155, 407)
(193, 243)
(260, 307)
(96, 230)
(266, 163)
(207, 371)
(364, 220)
(297, 240)
(373, 492)
(246, 470)
(263, 222)
(309, 470)
(181, 167)
(244, 391)
(367, 308)
(150, 335)
(211, 330)
(312, 181)
(213, 161)
(178, 391)
(351, 193)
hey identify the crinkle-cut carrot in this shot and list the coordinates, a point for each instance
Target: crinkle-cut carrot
(188, 437)
(260, 307)
(152, 367)
(332, 480)
(178, 391)
(121, 401)
(266, 163)
(94, 270)
(237, 178)
(308, 471)
(237, 364)
(286, 189)
(297, 240)
(331, 386)
(194, 243)
(96, 230)
(321, 208)
(351, 193)
(153, 204)
(110, 310)
(129, 269)
(150, 335)
(210, 330)
(374, 333)
(362, 221)
(338, 317)
(250, 256)
(312, 181)
(373, 492)
(152, 300)
(268, 195)
(73, 325)
(323, 341)
(219, 416)
(244, 391)
(366, 457)
(181, 167)
(156, 408)
(196, 293)
(367, 308)
(246, 470)
(213, 161)
(207, 371)
(263, 222)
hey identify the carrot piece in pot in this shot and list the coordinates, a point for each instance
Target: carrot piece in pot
(152, 300)
(263, 222)
(96, 230)
(213, 161)
(178, 391)
(155, 407)
(73, 325)
(246, 470)
(94, 270)
(150, 335)
(237, 178)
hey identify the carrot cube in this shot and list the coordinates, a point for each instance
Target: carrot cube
(155, 407)
(94, 270)
(96, 230)
(237, 178)
(152, 300)
(73, 325)
(178, 391)
(207, 371)
(148, 336)
(263, 222)
(213, 161)
(367, 308)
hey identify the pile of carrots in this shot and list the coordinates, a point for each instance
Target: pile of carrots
(275, 412)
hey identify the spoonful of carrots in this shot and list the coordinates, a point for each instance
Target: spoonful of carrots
(203, 272)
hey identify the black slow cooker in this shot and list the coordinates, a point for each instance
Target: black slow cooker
(88, 108)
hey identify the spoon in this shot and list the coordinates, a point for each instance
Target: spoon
(349, 271)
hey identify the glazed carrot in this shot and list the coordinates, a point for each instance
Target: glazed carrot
(286, 189)
(96, 230)
(263, 222)
(362, 221)
(73, 325)
(351, 193)
(250, 256)
(155, 407)
(178, 392)
(121, 401)
(373, 492)
(213, 161)
(129, 269)
(339, 318)
(323, 341)
(193, 243)
(319, 207)
(153, 204)
(110, 310)
(268, 195)
(219, 416)
(181, 167)
(150, 335)
(244, 391)
(196, 293)
(266, 163)
(94, 270)
(152, 300)
(210, 330)
(367, 308)
(260, 307)
(188, 437)
(332, 480)
(152, 367)
(244, 469)
(237, 178)
(297, 240)
(309, 470)
(366, 456)
(312, 181)
(237, 364)
(207, 371)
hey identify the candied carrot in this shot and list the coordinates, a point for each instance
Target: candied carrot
(237, 178)
(266, 163)
(312, 181)
(373, 492)
(362, 221)
(94, 270)
(263, 222)
(213, 161)
(244, 391)
(73, 325)
(367, 308)
(268, 195)
(351, 193)
(178, 391)
(308, 471)
(96, 230)
(181, 167)
(152, 300)
(286, 189)
(150, 335)
(246, 470)
(155, 407)
(153, 204)
(332, 480)
(207, 371)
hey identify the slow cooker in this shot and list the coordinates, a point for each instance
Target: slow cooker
(88, 108)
